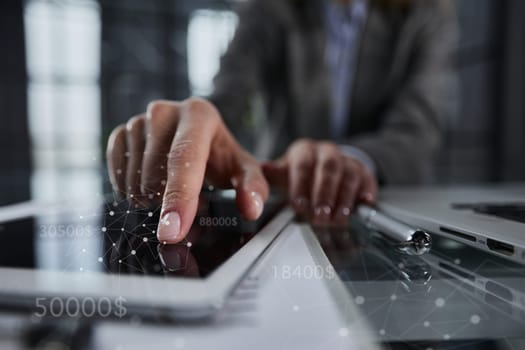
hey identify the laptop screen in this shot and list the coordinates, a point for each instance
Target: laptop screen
(117, 238)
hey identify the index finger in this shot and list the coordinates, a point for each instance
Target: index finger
(186, 168)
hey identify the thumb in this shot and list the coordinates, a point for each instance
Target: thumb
(251, 190)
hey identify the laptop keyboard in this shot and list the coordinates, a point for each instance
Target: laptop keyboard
(511, 211)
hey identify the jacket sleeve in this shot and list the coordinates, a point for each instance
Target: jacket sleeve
(405, 146)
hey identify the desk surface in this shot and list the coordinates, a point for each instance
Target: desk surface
(454, 297)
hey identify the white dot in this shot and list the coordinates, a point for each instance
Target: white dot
(111, 213)
(188, 244)
(446, 336)
(359, 300)
(81, 217)
(440, 302)
(382, 332)
(457, 261)
(295, 308)
(114, 244)
(145, 239)
(127, 211)
(81, 269)
(343, 332)
(104, 229)
(401, 265)
(122, 229)
(83, 250)
(426, 324)
(131, 196)
(211, 188)
(150, 214)
(100, 259)
(120, 261)
(475, 319)
(393, 297)
(143, 225)
(158, 193)
(133, 252)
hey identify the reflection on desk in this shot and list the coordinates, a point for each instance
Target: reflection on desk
(453, 294)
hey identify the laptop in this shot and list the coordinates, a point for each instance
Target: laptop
(488, 218)
(104, 261)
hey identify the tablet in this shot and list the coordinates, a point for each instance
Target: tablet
(106, 261)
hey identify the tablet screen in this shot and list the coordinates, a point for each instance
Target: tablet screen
(118, 238)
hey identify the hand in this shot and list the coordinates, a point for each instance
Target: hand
(323, 184)
(168, 153)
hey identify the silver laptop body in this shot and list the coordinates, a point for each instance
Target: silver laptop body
(488, 218)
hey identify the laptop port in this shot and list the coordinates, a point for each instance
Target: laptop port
(458, 234)
(500, 247)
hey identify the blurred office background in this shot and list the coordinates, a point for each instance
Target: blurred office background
(71, 70)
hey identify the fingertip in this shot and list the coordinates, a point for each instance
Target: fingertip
(169, 228)
(257, 205)
(251, 205)
(368, 197)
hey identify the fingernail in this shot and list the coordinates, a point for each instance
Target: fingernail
(258, 203)
(323, 210)
(300, 203)
(368, 197)
(169, 227)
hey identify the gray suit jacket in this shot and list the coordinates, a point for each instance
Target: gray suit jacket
(403, 90)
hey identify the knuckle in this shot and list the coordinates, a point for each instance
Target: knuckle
(197, 104)
(303, 143)
(199, 108)
(331, 164)
(160, 110)
(135, 124)
(304, 166)
(118, 134)
(328, 147)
